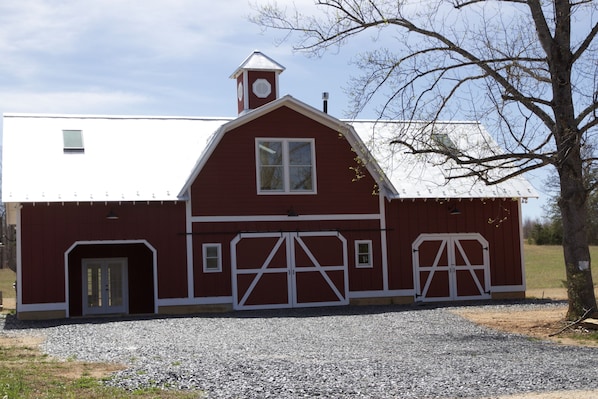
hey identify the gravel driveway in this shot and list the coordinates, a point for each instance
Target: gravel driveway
(347, 352)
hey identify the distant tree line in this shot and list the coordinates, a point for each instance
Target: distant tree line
(549, 230)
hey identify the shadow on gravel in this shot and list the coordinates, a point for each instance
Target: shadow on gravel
(11, 322)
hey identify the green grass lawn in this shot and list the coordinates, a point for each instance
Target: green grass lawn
(544, 266)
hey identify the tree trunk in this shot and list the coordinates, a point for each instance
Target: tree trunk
(573, 203)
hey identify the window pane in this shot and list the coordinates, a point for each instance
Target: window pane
(300, 178)
(299, 153)
(271, 178)
(364, 248)
(270, 153)
(212, 264)
(212, 252)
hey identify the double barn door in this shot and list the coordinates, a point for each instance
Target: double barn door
(289, 269)
(451, 267)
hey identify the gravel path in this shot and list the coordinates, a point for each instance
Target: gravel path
(348, 352)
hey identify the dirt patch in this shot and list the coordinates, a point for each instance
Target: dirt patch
(540, 324)
(25, 353)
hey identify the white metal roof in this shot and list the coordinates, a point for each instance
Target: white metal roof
(129, 158)
(258, 61)
(124, 158)
(429, 175)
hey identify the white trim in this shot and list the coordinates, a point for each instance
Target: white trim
(283, 218)
(43, 307)
(521, 250)
(19, 250)
(112, 242)
(380, 294)
(370, 254)
(245, 91)
(507, 288)
(213, 300)
(189, 247)
(383, 242)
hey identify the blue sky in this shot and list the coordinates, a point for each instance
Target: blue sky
(155, 57)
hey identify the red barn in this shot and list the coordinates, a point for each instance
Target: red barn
(283, 206)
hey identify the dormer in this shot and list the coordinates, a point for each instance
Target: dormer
(257, 81)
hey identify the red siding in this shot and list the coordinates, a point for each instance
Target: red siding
(227, 183)
(49, 230)
(496, 220)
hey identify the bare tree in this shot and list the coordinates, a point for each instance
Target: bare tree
(527, 68)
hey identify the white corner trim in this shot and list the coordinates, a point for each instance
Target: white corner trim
(507, 288)
(195, 301)
(42, 307)
(381, 293)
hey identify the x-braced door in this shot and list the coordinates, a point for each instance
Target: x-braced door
(451, 267)
(289, 269)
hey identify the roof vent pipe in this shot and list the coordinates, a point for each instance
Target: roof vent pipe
(325, 101)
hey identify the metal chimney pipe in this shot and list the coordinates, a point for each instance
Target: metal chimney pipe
(325, 101)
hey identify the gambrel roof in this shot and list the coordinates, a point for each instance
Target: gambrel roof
(138, 158)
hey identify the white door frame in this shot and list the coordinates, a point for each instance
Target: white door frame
(104, 286)
(452, 243)
(288, 239)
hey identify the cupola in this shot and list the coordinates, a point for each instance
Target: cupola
(257, 81)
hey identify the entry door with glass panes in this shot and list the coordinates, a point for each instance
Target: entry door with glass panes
(105, 286)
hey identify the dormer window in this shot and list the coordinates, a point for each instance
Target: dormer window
(73, 140)
(285, 166)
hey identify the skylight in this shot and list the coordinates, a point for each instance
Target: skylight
(444, 143)
(73, 140)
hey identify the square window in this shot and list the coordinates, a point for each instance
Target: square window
(363, 253)
(285, 166)
(73, 140)
(212, 258)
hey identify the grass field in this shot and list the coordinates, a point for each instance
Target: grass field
(544, 266)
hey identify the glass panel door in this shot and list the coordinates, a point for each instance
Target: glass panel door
(104, 286)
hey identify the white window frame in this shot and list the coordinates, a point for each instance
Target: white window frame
(369, 253)
(204, 257)
(285, 163)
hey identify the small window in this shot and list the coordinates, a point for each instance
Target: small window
(363, 253)
(444, 143)
(73, 140)
(212, 258)
(285, 166)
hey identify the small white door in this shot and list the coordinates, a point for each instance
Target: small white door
(105, 286)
